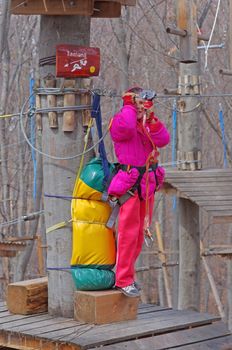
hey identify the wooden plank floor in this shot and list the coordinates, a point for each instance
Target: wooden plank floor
(156, 328)
(211, 189)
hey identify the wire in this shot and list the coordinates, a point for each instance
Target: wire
(179, 111)
(9, 115)
(211, 34)
(22, 218)
(46, 154)
(12, 144)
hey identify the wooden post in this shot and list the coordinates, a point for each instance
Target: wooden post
(51, 102)
(229, 263)
(86, 100)
(38, 116)
(163, 260)
(187, 22)
(189, 149)
(69, 121)
(189, 143)
(59, 175)
(189, 277)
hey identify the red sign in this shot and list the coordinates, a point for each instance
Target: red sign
(77, 61)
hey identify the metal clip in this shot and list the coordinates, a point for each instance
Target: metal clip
(148, 238)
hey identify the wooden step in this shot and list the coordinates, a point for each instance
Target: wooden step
(102, 307)
(28, 297)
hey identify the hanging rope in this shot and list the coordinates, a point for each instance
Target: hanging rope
(96, 113)
(222, 126)
(32, 125)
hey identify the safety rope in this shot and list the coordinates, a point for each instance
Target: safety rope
(152, 158)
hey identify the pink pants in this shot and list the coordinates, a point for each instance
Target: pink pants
(130, 238)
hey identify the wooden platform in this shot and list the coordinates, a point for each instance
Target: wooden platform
(210, 189)
(156, 328)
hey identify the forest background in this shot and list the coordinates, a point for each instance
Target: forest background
(135, 51)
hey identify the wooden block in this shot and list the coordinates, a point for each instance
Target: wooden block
(69, 119)
(51, 101)
(28, 297)
(101, 307)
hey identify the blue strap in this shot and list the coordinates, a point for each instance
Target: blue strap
(224, 143)
(32, 128)
(96, 113)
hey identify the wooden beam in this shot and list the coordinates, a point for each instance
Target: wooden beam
(21, 342)
(52, 7)
(127, 2)
(222, 219)
(107, 9)
(122, 2)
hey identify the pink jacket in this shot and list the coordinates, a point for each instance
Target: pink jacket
(132, 147)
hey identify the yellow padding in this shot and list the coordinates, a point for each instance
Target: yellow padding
(82, 190)
(90, 211)
(93, 244)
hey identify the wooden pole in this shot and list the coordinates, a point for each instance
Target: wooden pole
(188, 149)
(163, 260)
(229, 240)
(59, 175)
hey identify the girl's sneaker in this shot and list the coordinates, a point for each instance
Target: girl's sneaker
(129, 291)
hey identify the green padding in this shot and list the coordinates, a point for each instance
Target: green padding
(93, 174)
(92, 279)
(100, 267)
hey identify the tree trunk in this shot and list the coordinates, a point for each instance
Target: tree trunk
(59, 175)
(5, 69)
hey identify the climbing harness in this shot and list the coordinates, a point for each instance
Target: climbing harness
(151, 165)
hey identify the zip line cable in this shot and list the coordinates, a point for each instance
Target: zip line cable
(28, 217)
(46, 154)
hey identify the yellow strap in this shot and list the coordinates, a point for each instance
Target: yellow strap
(57, 226)
(82, 158)
(6, 115)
